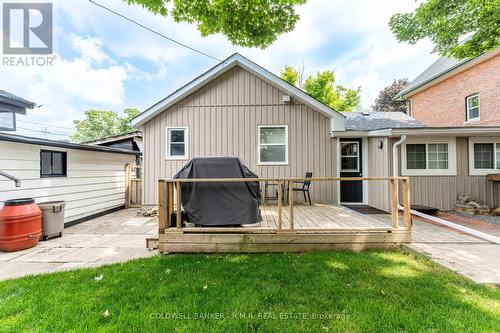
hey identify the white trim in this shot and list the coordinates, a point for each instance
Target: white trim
(272, 144)
(483, 172)
(238, 60)
(467, 109)
(366, 169)
(452, 159)
(338, 170)
(350, 156)
(186, 143)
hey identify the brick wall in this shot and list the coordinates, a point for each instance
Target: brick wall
(444, 103)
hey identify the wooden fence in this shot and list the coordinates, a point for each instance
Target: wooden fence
(133, 186)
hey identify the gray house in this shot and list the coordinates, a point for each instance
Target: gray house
(238, 108)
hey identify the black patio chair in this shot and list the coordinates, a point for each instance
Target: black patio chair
(305, 187)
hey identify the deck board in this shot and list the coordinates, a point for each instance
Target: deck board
(318, 215)
(321, 226)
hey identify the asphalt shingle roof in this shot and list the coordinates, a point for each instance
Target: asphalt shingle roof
(371, 121)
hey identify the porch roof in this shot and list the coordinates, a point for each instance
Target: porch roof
(370, 121)
(434, 131)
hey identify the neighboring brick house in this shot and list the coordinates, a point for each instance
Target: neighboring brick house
(453, 93)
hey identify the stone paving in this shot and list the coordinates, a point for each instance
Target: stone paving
(116, 237)
(120, 236)
(467, 255)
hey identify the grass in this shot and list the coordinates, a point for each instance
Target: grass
(375, 291)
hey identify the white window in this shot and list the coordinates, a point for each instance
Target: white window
(349, 156)
(273, 145)
(177, 143)
(472, 107)
(429, 158)
(484, 156)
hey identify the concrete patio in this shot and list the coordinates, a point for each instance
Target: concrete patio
(467, 255)
(113, 238)
(121, 236)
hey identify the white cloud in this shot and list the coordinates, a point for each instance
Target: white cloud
(68, 84)
(350, 37)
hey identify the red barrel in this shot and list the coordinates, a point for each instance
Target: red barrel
(20, 224)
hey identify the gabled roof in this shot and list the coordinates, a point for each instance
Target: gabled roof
(441, 69)
(114, 138)
(371, 121)
(12, 103)
(225, 65)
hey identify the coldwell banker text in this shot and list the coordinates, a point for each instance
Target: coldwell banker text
(28, 34)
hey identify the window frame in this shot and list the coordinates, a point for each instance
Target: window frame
(452, 161)
(259, 144)
(467, 110)
(483, 172)
(64, 163)
(358, 144)
(168, 155)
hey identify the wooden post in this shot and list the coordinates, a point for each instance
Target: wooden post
(170, 203)
(394, 203)
(161, 206)
(290, 203)
(178, 216)
(280, 205)
(127, 186)
(406, 203)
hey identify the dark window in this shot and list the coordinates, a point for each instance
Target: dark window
(349, 156)
(52, 163)
(177, 142)
(416, 156)
(483, 156)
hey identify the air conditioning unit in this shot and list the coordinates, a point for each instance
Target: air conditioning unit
(286, 99)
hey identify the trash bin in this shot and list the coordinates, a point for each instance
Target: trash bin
(52, 218)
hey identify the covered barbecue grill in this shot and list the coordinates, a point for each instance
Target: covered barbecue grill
(215, 204)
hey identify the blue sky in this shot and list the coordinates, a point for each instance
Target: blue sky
(104, 62)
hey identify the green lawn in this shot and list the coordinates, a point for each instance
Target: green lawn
(372, 291)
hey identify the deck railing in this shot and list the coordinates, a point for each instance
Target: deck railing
(166, 198)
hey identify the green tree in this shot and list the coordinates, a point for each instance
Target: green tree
(446, 22)
(249, 23)
(290, 75)
(322, 87)
(100, 124)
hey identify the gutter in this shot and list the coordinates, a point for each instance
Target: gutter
(440, 221)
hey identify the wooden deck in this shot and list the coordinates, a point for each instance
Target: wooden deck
(291, 228)
(322, 215)
(322, 226)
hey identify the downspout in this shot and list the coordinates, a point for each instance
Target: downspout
(458, 227)
(16, 180)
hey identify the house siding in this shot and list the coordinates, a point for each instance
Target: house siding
(441, 191)
(443, 104)
(95, 181)
(223, 117)
(379, 165)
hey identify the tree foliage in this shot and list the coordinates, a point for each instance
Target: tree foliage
(322, 87)
(446, 22)
(101, 124)
(385, 102)
(246, 23)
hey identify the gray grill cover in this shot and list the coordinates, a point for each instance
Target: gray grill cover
(219, 203)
